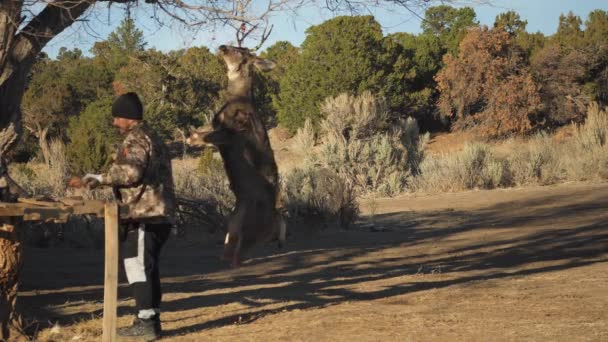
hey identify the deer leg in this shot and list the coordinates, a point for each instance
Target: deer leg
(207, 136)
(216, 137)
(236, 257)
(232, 242)
(281, 227)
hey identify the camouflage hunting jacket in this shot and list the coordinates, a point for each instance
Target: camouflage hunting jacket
(141, 177)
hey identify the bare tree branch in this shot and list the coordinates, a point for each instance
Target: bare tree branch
(10, 16)
(263, 38)
(55, 17)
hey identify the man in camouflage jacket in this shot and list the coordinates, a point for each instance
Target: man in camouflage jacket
(141, 179)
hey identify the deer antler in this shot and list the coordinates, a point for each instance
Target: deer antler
(242, 33)
(264, 37)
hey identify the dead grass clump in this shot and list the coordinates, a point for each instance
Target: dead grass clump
(319, 198)
(585, 155)
(539, 160)
(40, 179)
(304, 140)
(203, 192)
(84, 330)
(535, 162)
(475, 167)
(278, 134)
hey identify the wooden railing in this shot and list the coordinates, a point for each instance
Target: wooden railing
(60, 211)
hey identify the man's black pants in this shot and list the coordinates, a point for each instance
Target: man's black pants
(140, 252)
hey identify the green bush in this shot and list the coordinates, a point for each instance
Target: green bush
(339, 55)
(91, 138)
(163, 119)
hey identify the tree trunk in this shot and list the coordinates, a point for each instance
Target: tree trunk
(19, 46)
(10, 266)
(10, 260)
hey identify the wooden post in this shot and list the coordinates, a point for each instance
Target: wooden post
(110, 288)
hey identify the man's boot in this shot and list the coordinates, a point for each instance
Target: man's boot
(145, 329)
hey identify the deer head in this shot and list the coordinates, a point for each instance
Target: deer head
(241, 62)
(236, 114)
(196, 137)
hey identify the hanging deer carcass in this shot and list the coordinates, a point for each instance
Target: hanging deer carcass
(242, 140)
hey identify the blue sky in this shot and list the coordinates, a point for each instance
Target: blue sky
(542, 15)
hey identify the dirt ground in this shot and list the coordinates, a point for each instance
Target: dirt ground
(502, 265)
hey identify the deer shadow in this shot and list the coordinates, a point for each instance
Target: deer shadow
(319, 272)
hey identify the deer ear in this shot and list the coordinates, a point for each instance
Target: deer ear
(264, 64)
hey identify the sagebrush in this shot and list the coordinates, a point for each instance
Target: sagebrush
(363, 145)
(538, 160)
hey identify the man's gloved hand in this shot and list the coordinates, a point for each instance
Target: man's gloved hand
(91, 180)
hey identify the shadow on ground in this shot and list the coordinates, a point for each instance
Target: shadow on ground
(510, 239)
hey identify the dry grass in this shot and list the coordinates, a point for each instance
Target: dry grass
(304, 140)
(278, 134)
(203, 192)
(539, 160)
(535, 162)
(393, 161)
(443, 143)
(50, 180)
(85, 330)
(474, 167)
(319, 198)
(585, 156)
(41, 179)
(194, 180)
(384, 163)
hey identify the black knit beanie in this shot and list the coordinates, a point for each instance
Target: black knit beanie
(127, 106)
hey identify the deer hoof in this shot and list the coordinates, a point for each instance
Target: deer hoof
(236, 261)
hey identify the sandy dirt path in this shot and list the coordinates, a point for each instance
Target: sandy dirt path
(501, 265)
